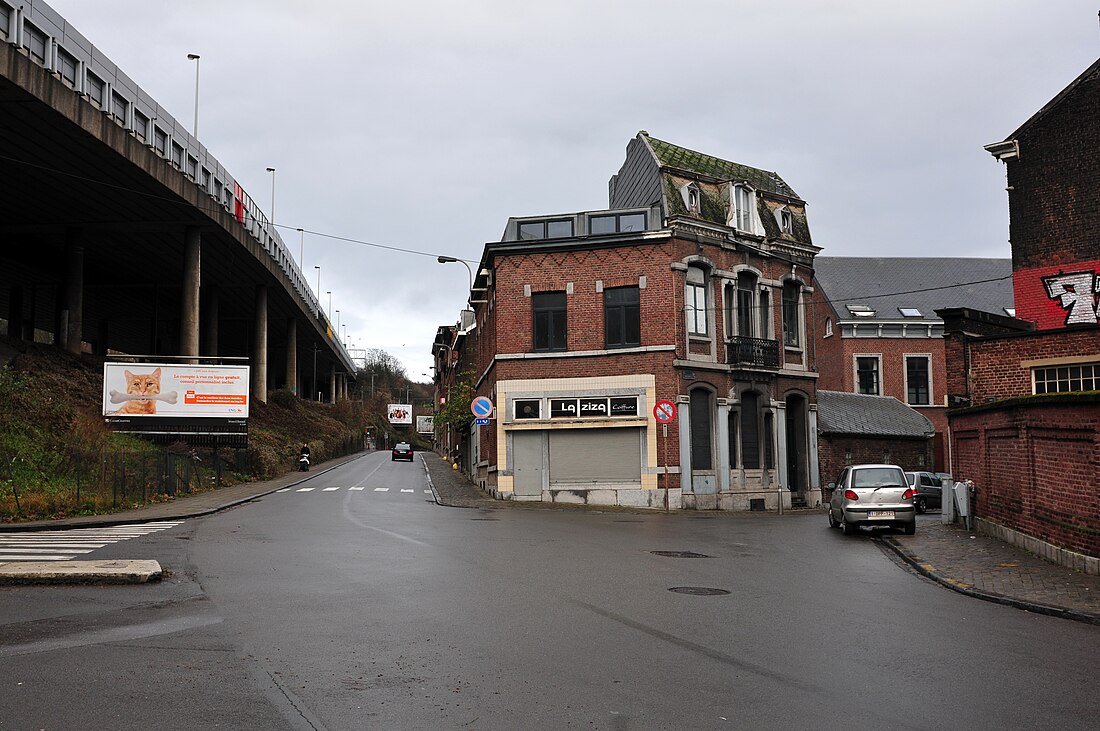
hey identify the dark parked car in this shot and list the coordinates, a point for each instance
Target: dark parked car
(929, 487)
(873, 495)
(402, 450)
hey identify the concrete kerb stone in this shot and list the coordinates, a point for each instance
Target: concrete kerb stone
(117, 571)
(926, 569)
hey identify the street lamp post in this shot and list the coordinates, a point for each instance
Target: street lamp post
(301, 248)
(318, 268)
(272, 171)
(195, 57)
(337, 320)
(451, 260)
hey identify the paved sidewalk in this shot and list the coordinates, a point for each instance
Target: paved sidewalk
(976, 565)
(987, 568)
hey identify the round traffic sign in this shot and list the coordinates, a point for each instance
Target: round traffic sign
(664, 411)
(481, 407)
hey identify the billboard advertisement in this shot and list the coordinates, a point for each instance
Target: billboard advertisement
(400, 414)
(424, 425)
(176, 399)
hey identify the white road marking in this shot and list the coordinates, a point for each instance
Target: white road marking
(285, 489)
(404, 490)
(305, 489)
(381, 489)
(330, 489)
(61, 545)
(360, 487)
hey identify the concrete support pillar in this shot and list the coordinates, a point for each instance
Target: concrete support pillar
(292, 355)
(189, 299)
(102, 335)
(259, 347)
(15, 312)
(73, 333)
(210, 299)
(332, 384)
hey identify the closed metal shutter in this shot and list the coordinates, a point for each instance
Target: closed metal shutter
(595, 455)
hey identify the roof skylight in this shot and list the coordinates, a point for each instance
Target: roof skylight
(910, 312)
(861, 310)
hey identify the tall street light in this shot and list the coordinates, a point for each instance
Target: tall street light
(272, 171)
(451, 260)
(301, 248)
(337, 320)
(329, 293)
(318, 268)
(195, 57)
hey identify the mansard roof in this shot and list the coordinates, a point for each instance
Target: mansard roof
(679, 158)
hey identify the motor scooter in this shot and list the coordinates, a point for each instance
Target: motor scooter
(303, 463)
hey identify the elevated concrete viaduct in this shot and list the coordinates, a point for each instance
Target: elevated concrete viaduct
(120, 233)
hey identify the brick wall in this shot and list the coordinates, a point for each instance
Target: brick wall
(997, 369)
(1035, 467)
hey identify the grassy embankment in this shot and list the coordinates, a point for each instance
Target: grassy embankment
(57, 457)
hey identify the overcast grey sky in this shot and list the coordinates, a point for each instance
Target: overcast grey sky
(425, 124)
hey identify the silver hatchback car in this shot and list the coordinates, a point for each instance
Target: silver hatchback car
(872, 495)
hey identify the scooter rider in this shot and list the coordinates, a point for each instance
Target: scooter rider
(303, 458)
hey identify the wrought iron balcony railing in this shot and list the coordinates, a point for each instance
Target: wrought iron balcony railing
(752, 352)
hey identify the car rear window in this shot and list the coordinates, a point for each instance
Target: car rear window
(403, 447)
(878, 477)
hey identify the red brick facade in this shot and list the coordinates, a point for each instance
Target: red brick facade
(1035, 457)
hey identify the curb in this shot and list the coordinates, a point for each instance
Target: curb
(108, 522)
(926, 569)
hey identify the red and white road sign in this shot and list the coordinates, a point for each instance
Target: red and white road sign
(664, 411)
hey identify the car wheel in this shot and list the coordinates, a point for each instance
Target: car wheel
(832, 521)
(848, 528)
(910, 528)
(922, 504)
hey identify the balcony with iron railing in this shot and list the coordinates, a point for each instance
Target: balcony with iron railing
(754, 352)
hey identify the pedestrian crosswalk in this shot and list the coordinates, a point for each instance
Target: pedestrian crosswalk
(354, 488)
(65, 545)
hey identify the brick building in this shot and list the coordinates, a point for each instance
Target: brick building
(1028, 433)
(876, 331)
(691, 287)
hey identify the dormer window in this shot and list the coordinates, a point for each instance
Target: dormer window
(690, 193)
(785, 220)
(743, 208)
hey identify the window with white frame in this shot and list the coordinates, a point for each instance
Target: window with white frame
(743, 203)
(867, 374)
(784, 218)
(1066, 378)
(746, 299)
(695, 301)
(918, 380)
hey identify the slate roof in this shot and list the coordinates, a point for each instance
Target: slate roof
(878, 416)
(886, 284)
(681, 158)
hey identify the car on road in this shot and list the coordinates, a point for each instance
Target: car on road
(401, 450)
(873, 495)
(929, 487)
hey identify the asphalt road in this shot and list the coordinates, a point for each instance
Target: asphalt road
(369, 609)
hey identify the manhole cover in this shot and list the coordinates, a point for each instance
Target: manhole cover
(698, 590)
(680, 554)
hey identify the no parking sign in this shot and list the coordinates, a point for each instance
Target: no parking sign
(481, 407)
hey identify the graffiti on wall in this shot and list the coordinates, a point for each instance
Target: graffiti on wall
(1059, 296)
(1076, 292)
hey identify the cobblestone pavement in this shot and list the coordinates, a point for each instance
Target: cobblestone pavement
(977, 565)
(988, 568)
